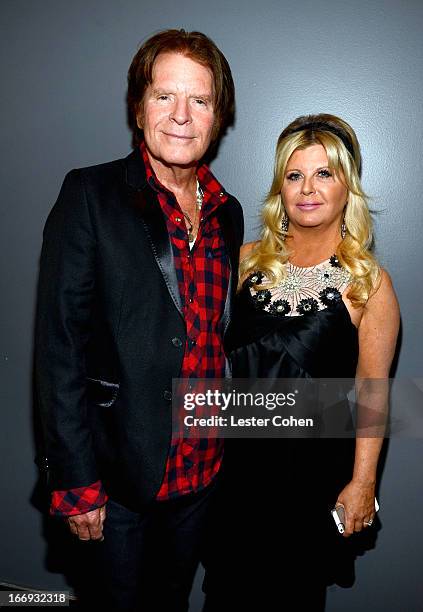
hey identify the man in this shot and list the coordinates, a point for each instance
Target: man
(138, 272)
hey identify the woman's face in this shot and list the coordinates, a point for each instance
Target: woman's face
(312, 194)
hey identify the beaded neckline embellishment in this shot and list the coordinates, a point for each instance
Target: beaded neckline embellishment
(303, 290)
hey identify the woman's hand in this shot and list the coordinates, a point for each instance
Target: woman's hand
(358, 499)
(377, 335)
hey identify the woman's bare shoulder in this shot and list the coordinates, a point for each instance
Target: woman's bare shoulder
(247, 248)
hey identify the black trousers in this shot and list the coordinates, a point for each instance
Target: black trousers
(147, 561)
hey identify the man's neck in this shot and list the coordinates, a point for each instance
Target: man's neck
(178, 179)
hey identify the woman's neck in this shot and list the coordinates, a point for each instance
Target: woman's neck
(312, 246)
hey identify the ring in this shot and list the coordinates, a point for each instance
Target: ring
(368, 523)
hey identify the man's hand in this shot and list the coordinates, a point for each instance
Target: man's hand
(88, 526)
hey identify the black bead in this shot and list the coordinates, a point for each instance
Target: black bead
(334, 262)
(308, 306)
(262, 298)
(255, 279)
(279, 307)
(330, 296)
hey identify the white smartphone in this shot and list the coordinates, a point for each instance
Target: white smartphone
(338, 514)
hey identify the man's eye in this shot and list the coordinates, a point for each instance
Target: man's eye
(293, 176)
(163, 97)
(200, 101)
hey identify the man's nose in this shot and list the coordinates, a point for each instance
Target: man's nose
(181, 112)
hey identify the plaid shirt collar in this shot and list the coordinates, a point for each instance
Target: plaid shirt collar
(213, 192)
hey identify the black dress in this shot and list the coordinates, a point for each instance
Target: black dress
(275, 544)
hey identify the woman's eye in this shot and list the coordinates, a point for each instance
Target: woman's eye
(325, 173)
(293, 176)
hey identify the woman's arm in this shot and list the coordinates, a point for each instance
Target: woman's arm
(378, 333)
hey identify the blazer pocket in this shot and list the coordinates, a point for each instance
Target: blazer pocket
(101, 392)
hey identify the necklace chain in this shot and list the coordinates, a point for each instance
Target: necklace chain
(199, 203)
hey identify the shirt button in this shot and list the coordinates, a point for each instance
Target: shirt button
(191, 300)
(176, 342)
(192, 342)
(221, 194)
(167, 395)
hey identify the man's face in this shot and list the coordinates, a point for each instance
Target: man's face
(177, 113)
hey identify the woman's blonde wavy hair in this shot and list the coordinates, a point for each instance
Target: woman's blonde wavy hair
(354, 251)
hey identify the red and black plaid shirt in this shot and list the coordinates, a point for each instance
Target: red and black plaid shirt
(203, 278)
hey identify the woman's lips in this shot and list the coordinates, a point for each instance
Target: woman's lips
(308, 205)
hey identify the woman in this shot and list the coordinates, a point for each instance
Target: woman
(313, 302)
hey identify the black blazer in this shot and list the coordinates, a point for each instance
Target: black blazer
(110, 332)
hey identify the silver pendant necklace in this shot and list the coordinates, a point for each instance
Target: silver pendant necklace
(199, 203)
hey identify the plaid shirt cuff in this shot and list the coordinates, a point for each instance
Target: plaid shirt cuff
(78, 501)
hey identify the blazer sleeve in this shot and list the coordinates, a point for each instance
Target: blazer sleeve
(65, 294)
(241, 223)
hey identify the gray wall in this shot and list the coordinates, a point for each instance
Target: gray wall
(63, 88)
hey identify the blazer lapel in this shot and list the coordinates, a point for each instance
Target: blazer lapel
(154, 223)
(227, 225)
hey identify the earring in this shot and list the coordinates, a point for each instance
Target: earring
(343, 225)
(284, 224)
